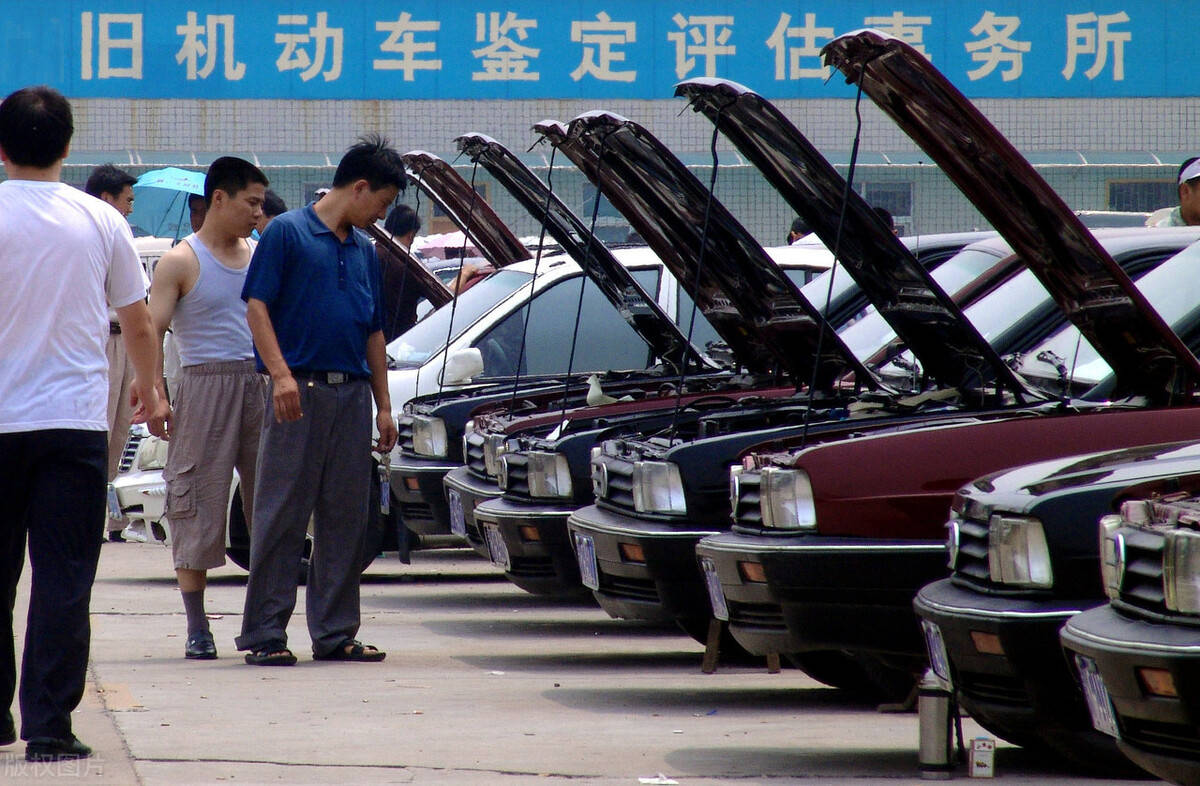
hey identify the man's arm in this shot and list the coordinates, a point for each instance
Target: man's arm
(137, 331)
(285, 392)
(384, 420)
(170, 276)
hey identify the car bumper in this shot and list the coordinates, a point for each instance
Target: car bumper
(536, 550)
(1158, 733)
(419, 495)
(471, 493)
(823, 593)
(666, 586)
(1027, 683)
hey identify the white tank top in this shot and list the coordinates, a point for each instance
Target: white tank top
(210, 320)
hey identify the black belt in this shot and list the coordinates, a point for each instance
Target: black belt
(325, 377)
(114, 328)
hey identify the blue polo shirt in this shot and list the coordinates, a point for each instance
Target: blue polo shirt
(323, 294)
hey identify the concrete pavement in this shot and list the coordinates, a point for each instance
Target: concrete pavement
(483, 684)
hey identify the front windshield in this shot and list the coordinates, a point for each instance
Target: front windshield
(869, 334)
(429, 336)
(1167, 288)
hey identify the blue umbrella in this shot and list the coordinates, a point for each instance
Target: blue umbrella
(160, 201)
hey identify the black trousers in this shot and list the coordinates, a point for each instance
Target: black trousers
(52, 487)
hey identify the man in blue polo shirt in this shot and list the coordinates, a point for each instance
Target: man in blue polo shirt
(313, 304)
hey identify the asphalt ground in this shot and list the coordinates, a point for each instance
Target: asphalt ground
(483, 684)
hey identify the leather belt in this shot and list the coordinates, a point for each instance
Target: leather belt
(324, 377)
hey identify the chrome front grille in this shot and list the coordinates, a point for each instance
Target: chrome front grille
(618, 489)
(517, 484)
(744, 498)
(972, 562)
(1142, 581)
(473, 448)
(129, 453)
(404, 438)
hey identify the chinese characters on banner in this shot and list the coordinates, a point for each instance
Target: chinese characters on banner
(622, 48)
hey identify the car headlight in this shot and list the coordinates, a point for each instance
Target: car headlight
(658, 488)
(429, 436)
(1181, 571)
(952, 542)
(1112, 554)
(786, 499)
(549, 474)
(152, 454)
(1017, 552)
(493, 449)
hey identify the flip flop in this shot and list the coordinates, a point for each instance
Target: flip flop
(358, 652)
(272, 654)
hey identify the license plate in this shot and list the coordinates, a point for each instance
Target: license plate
(935, 645)
(458, 519)
(716, 595)
(114, 504)
(585, 553)
(496, 546)
(1098, 701)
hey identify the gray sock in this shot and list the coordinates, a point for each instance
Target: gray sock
(193, 604)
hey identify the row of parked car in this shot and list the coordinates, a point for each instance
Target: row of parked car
(762, 444)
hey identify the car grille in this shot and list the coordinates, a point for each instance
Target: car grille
(993, 689)
(1176, 740)
(756, 615)
(972, 562)
(473, 445)
(532, 567)
(413, 512)
(404, 438)
(625, 587)
(129, 453)
(619, 491)
(518, 476)
(1142, 583)
(746, 509)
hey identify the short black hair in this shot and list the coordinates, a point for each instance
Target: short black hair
(231, 174)
(372, 159)
(197, 198)
(800, 226)
(886, 215)
(36, 126)
(108, 179)
(402, 220)
(273, 204)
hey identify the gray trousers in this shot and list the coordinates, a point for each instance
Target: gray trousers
(320, 467)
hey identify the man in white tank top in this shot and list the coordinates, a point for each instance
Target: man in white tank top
(217, 415)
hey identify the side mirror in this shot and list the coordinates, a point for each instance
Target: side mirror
(462, 365)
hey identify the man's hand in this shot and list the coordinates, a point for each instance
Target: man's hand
(162, 427)
(286, 398)
(387, 432)
(148, 406)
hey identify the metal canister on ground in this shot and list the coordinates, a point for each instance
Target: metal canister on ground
(935, 755)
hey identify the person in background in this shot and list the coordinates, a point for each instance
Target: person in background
(885, 216)
(1188, 211)
(273, 205)
(400, 296)
(217, 415)
(320, 192)
(315, 453)
(53, 382)
(798, 230)
(115, 186)
(197, 208)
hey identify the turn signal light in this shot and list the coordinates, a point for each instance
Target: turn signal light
(1157, 682)
(632, 552)
(413, 484)
(987, 643)
(753, 571)
(529, 532)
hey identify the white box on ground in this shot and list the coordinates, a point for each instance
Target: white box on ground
(981, 762)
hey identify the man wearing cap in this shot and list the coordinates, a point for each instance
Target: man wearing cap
(1188, 212)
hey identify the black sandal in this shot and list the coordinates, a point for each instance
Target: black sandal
(356, 652)
(273, 653)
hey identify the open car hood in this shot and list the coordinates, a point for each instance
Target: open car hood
(746, 297)
(1147, 357)
(639, 309)
(934, 328)
(465, 208)
(429, 285)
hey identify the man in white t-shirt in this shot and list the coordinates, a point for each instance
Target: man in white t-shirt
(64, 255)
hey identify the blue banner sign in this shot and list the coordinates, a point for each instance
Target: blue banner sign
(636, 49)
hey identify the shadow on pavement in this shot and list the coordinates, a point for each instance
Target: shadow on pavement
(788, 697)
(676, 662)
(483, 627)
